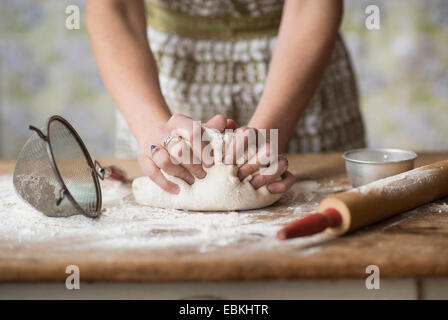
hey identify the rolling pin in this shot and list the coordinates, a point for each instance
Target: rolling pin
(345, 212)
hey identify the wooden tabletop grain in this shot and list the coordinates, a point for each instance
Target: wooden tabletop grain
(415, 247)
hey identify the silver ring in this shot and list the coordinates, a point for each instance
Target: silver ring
(168, 140)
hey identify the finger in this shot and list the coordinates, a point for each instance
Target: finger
(150, 169)
(182, 153)
(281, 186)
(162, 159)
(207, 152)
(231, 124)
(260, 160)
(243, 139)
(247, 169)
(261, 179)
(191, 131)
(218, 122)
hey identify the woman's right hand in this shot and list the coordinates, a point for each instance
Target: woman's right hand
(155, 155)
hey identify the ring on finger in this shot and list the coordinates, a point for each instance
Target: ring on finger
(154, 148)
(168, 139)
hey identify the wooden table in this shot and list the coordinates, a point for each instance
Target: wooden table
(412, 256)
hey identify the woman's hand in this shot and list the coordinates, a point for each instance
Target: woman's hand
(278, 180)
(270, 168)
(167, 149)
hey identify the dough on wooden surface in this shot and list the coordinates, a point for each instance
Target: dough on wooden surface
(220, 190)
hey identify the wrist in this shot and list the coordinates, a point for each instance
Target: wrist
(146, 123)
(280, 137)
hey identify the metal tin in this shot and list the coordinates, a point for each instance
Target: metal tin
(367, 165)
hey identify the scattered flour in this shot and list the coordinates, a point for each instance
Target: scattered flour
(123, 224)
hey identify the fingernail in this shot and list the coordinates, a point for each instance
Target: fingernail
(189, 179)
(175, 189)
(241, 175)
(256, 182)
(200, 173)
(207, 164)
(272, 188)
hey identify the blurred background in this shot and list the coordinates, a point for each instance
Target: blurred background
(402, 72)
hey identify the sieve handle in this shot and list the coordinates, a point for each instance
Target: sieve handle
(110, 172)
(39, 132)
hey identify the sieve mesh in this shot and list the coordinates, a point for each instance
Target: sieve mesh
(57, 167)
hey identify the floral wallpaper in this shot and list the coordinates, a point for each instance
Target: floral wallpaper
(46, 69)
(402, 68)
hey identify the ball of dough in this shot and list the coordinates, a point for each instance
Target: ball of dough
(220, 190)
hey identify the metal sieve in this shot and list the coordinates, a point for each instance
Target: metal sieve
(55, 174)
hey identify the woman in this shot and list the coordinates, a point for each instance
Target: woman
(262, 63)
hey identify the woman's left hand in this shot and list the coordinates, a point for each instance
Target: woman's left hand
(272, 169)
(271, 181)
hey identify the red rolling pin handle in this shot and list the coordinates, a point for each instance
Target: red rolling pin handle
(115, 173)
(311, 224)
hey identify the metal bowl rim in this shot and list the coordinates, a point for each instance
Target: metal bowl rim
(412, 155)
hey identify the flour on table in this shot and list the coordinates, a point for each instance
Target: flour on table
(124, 224)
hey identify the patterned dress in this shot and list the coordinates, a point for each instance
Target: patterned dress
(213, 57)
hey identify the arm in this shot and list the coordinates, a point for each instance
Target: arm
(117, 30)
(307, 34)
(305, 42)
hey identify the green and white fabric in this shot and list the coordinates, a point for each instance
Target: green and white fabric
(213, 57)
